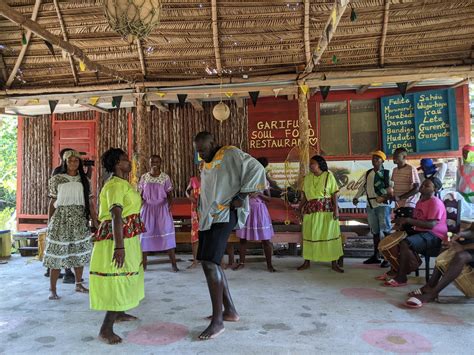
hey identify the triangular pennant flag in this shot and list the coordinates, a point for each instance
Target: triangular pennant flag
(334, 17)
(82, 66)
(324, 91)
(94, 100)
(328, 31)
(34, 101)
(50, 48)
(254, 97)
(277, 91)
(116, 100)
(229, 94)
(182, 99)
(52, 105)
(96, 75)
(353, 15)
(161, 94)
(304, 88)
(402, 87)
(24, 41)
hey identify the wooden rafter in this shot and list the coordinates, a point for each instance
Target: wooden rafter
(160, 106)
(18, 18)
(412, 84)
(95, 108)
(384, 33)
(65, 37)
(363, 89)
(24, 48)
(140, 55)
(461, 83)
(197, 104)
(328, 32)
(307, 42)
(215, 37)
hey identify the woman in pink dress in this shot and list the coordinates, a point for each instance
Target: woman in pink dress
(155, 188)
(257, 228)
(192, 192)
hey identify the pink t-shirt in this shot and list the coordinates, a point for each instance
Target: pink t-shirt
(430, 210)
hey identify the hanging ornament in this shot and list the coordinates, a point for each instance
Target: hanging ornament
(221, 112)
(182, 99)
(402, 87)
(254, 97)
(52, 105)
(82, 66)
(133, 19)
(334, 59)
(353, 14)
(334, 16)
(277, 91)
(229, 94)
(304, 88)
(116, 101)
(161, 94)
(324, 91)
(24, 41)
(93, 100)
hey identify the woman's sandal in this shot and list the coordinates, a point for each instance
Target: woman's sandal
(413, 302)
(394, 283)
(80, 288)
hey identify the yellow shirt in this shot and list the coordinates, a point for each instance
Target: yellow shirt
(118, 192)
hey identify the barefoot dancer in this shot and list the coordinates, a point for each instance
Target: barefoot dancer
(68, 243)
(192, 193)
(321, 231)
(116, 273)
(155, 187)
(228, 176)
(258, 227)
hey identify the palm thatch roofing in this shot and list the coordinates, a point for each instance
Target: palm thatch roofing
(255, 39)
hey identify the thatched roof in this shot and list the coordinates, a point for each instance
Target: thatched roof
(254, 38)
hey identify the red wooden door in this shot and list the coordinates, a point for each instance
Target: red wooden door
(78, 135)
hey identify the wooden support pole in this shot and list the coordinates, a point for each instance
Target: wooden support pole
(65, 37)
(307, 42)
(24, 47)
(18, 18)
(197, 104)
(96, 108)
(240, 102)
(143, 135)
(384, 33)
(215, 37)
(303, 119)
(140, 55)
(362, 89)
(329, 29)
(461, 83)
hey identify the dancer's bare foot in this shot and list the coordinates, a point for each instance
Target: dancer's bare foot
(271, 268)
(238, 266)
(336, 267)
(212, 331)
(304, 266)
(175, 268)
(109, 337)
(228, 316)
(53, 296)
(124, 317)
(80, 288)
(193, 265)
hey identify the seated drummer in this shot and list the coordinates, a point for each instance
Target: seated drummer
(429, 224)
(464, 254)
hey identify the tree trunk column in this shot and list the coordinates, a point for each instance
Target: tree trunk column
(303, 136)
(143, 135)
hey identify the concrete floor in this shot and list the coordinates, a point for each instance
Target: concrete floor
(289, 312)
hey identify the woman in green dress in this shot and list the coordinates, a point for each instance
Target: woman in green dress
(116, 271)
(322, 239)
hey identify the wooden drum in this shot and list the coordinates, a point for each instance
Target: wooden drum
(390, 249)
(465, 281)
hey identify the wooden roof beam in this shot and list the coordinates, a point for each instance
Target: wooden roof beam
(24, 47)
(328, 32)
(160, 106)
(140, 55)
(362, 89)
(384, 33)
(461, 83)
(34, 27)
(95, 108)
(65, 37)
(197, 104)
(215, 37)
(412, 84)
(307, 41)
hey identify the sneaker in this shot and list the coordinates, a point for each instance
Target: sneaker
(384, 263)
(372, 260)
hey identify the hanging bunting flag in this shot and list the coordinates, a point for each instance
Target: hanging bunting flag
(277, 91)
(182, 99)
(50, 48)
(24, 41)
(93, 100)
(324, 91)
(353, 15)
(82, 66)
(161, 94)
(34, 101)
(304, 88)
(254, 97)
(402, 87)
(334, 59)
(52, 105)
(96, 75)
(334, 16)
(328, 31)
(116, 101)
(229, 94)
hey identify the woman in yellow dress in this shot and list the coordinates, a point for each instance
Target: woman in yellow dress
(322, 239)
(116, 270)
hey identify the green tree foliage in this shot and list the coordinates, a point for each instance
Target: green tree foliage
(8, 169)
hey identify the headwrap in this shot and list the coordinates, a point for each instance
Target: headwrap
(427, 165)
(380, 154)
(71, 153)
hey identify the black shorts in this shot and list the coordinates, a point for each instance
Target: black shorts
(213, 242)
(425, 243)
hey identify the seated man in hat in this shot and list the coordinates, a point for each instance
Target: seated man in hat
(431, 170)
(430, 226)
(377, 187)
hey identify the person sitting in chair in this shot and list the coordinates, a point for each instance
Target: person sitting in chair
(429, 224)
